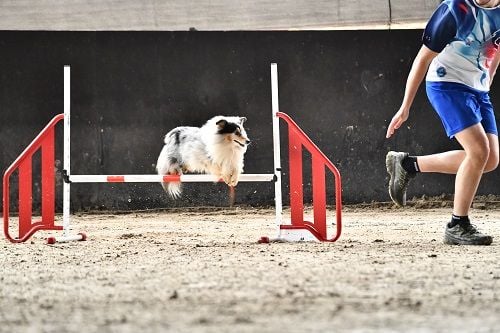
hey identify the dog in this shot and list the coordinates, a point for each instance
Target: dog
(216, 148)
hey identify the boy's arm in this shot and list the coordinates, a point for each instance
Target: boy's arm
(415, 77)
(439, 31)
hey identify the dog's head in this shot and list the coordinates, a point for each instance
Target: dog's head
(232, 130)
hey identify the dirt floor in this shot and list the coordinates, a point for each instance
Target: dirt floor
(201, 270)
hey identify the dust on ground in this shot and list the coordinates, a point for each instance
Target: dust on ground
(202, 270)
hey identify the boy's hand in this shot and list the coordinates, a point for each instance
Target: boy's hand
(399, 118)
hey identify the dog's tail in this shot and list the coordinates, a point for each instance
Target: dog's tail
(168, 164)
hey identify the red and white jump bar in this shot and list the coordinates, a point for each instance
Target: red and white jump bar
(168, 178)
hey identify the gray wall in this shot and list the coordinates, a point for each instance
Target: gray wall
(130, 88)
(209, 14)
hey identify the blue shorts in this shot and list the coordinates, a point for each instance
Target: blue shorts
(460, 107)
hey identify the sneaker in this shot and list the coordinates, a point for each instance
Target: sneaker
(399, 177)
(465, 233)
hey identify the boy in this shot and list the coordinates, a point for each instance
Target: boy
(460, 55)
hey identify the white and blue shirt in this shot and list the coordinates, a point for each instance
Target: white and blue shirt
(466, 36)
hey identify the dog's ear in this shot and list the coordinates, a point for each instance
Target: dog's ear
(242, 120)
(221, 123)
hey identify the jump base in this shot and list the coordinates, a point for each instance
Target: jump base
(292, 233)
(65, 239)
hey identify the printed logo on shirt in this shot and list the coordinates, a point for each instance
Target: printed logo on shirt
(441, 71)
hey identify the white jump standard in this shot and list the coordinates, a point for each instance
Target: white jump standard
(297, 230)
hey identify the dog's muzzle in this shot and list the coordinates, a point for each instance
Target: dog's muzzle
(242, 144)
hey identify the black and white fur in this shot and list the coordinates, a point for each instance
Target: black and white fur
(215, 148)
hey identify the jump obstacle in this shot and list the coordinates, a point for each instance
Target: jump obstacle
(296, 230)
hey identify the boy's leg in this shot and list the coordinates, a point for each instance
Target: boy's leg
(477, 151)
(446, 162)
(449, 162)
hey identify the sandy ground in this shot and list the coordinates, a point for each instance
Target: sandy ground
(201, 270)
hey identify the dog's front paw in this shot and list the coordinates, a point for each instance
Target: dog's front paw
(231, 180)
(234, 181)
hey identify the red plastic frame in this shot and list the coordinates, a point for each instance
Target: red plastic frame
(297, 139)
(45, 141)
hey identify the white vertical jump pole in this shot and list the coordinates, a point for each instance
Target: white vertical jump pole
(67, 149)
(276, 147)
(66, 236)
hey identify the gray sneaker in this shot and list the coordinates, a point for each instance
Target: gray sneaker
(399, 177)
(465, 234)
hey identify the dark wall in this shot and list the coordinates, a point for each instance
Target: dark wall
(130, 88)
